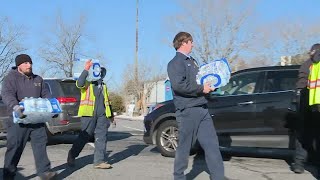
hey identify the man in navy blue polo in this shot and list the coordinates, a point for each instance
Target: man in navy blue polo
(194, 120)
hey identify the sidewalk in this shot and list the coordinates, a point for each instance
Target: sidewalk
(132, 118)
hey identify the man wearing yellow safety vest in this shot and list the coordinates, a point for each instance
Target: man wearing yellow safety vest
(314, 99)
(96, 113)
(303, 122)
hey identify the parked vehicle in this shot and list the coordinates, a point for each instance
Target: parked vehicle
(68, 96)
(3, 115)
(250, 112)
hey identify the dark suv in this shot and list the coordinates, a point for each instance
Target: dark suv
(252, 110)
(68, 95)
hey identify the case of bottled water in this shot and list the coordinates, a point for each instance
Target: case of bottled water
(94, 71)
(217, 73)
(37, 110)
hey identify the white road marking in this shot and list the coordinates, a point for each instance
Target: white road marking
(91, 144)
(133, 128)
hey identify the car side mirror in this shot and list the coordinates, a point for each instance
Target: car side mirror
(0, 98)
(234, 83)
(217, 92)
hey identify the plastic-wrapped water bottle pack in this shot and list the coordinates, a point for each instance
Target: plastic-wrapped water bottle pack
(37, 110)
(94, 71)
(217, 73)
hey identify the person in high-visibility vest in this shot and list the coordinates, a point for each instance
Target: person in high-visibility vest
(96, 114)
(314, 80)
(302, 140)
(314, 102)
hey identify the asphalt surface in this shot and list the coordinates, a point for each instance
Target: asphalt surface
(133, 159)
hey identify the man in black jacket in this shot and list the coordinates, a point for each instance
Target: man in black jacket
(17, 85)
(194, 120)
(305, 123)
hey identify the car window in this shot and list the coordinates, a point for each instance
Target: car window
(47, 86)
(241, 84)
(280, 80)
(69, 88)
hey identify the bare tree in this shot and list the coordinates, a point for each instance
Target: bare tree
(10, 46)
(148, 75)
(285, 39)
(60, 49)
(218, 27)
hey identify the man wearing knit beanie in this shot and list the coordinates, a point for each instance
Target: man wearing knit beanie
(24, 64)
(17, 85)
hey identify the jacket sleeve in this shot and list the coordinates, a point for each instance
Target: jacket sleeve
(81, 82)
(8, 93)
(180, 85)
(45, 93)
(303, 75)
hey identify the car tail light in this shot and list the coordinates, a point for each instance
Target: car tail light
(64, 122)
(63, 100)
(157, 106)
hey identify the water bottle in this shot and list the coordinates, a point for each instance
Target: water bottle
(94, 71)
(30, 104)
(42, 105)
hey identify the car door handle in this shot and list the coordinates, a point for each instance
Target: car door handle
(245, 103)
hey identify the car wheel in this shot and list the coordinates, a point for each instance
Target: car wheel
(167, 138)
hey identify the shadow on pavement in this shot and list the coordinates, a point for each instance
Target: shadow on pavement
(132, 150)
(70, 138)
(80, 163)
(198, 166)
(17, 177)
(313, 170)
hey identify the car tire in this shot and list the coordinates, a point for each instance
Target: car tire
(167, 138)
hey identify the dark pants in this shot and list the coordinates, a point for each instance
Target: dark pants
(92, 126)
(196, 124)
(17, 137)
(306, 129)
(303, 137)
(314, 154)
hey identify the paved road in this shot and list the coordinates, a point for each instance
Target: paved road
(132, 159)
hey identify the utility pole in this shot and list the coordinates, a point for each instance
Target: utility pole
(136, 54)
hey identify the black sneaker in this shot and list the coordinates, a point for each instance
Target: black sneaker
(70, 160)
(297, 168)
(48, 175)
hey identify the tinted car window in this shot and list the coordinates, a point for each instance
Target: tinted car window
(69, 88)
(241, 84)
(47, 87)
(280, 80)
